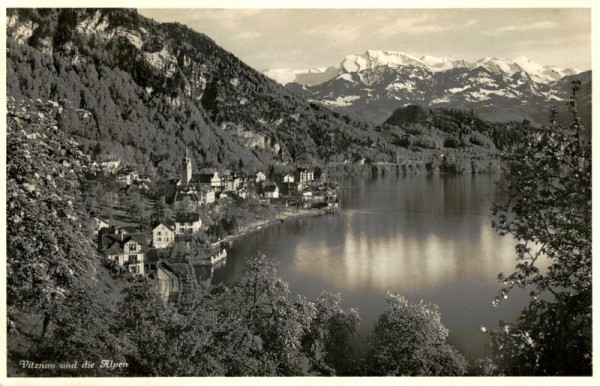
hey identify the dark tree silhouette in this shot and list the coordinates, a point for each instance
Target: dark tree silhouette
(549, 212)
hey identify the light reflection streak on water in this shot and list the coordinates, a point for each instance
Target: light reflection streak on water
(423, 237)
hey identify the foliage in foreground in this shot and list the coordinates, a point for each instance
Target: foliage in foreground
(549, 211)
(254, 327)
(410, 339)
(46, 248)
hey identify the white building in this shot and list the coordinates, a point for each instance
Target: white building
(271, 191)
(260, 176)
(163, 235)
(207, 196)
(127, 249)
(98, 223)
(305, 175)
(110, 165)
(187, 223)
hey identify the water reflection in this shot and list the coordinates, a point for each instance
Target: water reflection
(408, 252)
(426, 237)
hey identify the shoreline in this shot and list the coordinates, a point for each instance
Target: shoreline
(279, 219)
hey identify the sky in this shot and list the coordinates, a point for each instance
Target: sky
(307, 38)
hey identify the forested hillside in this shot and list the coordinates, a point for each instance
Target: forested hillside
(65, 309)
(89, 85)
(126, 87)
(59, 297)
(134, 89)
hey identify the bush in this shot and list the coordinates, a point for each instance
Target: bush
(409, 339)
(549, 212)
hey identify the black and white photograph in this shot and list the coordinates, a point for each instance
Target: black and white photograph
(297, 190)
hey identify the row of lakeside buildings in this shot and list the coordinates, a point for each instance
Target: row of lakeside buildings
(133, 251)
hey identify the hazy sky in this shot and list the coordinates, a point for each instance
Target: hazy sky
(305, 38)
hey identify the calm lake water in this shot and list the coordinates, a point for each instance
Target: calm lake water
(425, 237)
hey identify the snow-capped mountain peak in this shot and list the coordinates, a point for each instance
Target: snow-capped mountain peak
(537, 72)
(371, 59)
(375, 58)
(305, 76)
(438, 64)
(498, 65)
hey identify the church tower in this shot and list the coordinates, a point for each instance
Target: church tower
(186, 168)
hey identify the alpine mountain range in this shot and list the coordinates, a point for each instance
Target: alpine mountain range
(373, 84)
(139, 152)
(127, 87)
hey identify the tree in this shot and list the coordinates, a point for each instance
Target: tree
(409, 339)
(548, 210)
(185, 206)
(136, 207)
(47, 251)
(81, 334)
(262, 300)
(327, 343)
(230, 224)
(143, 322)
(161, 212)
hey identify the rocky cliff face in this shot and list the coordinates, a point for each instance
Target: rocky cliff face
(129, 88)
(141, 91)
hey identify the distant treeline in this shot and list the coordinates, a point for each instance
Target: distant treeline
(129, 88)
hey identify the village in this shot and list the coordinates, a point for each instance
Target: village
(201, 216)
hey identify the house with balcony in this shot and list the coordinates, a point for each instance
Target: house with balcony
(124, 248)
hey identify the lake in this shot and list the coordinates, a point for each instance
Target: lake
(425, 237)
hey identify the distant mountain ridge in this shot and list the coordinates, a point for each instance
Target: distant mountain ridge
(130, 88)
(374, 84)
(372, 59)
(308, 77)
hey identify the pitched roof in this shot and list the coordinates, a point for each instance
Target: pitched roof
(187, 217)
(100, 218)
(131, 229)
(167, 224)
(202, 178)
(113, 249)
(113, 244)
(271, 188)
(180, 195)
(112, 230)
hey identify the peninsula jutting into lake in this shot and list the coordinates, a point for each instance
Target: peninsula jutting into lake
(209, 192)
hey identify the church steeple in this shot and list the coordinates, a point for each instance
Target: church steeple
(186, 168)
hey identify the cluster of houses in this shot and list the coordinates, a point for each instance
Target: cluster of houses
(206, 187)
(126, 175)
(130, 249)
